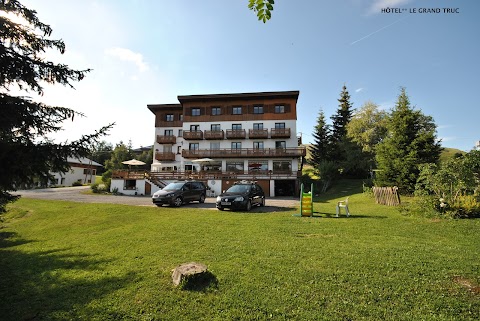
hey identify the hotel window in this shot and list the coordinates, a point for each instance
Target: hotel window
(279, 109)
(280, 145)
(195, 111)
(257, 145)
(193, 146)
(282, 166)
(194, 128)
(169, 117)
(257, 126)
(167, 148)
(257, 165)
(279, 125)
(236, 126)
(236, 145)
(215, 127)
(179, 150)
(215, 145)
(168, 132)
(180, 117)
(216, 111)
(237, 110)
(180, 133)
(234, 166)
(258, 109)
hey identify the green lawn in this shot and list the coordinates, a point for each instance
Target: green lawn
(73, 261)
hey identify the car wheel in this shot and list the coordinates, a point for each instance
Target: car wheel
(202, 199)
(249, 205)
(262, 203)
(159, 205)
(177, 202)
(221, 208)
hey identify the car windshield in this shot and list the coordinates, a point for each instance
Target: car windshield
(239, 189)
(173, 187)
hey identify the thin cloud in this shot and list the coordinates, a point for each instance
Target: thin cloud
(128, 55)
(377, 31)
(358, 90)
(378, 5)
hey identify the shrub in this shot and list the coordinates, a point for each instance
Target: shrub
(77, 183)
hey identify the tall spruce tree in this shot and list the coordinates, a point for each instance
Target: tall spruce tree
(411, 141)
(26, 152)
(320, 149)
(344, 152)
(342, 117)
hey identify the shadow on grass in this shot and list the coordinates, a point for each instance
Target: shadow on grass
(51, 285)
(203, 282)
(333, 216)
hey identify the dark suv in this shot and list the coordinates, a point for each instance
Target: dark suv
(181, 192)
(241, 196)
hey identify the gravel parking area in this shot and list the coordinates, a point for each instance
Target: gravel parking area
(77, 194)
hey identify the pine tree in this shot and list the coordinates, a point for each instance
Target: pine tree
(320, 149)
(25, 151)
(411, 141)
(342, 117)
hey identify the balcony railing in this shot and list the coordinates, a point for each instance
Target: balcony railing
(257, 133)
(193, 134)
(280, 133)
(214, 134)
(162, 139)
(236, 133)
(165, 156)
(245, 153)
(204, 175)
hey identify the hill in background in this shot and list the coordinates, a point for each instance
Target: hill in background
(447, 152)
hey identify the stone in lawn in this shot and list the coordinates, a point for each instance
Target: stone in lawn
(186, 271)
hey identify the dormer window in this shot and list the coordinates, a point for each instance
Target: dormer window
(279, 109)
(237, 110)
(195, 111)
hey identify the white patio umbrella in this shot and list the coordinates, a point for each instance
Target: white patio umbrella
(134, 162)
(203, 160)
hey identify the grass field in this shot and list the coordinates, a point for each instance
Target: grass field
(75, 261)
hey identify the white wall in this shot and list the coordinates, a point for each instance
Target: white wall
(75, 174)
(120, 183)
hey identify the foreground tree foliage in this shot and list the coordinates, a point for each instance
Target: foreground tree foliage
(411, 140)
(26, 152)
(263, 8)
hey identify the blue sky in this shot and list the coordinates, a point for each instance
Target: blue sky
(146, 51)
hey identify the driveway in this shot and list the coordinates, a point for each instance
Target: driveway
(78, 194)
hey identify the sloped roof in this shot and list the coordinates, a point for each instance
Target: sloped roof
(83, 161)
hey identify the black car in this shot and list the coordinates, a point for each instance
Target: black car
(241, 196)
(181, 192)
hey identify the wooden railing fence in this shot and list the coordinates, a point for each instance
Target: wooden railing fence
(386, 195)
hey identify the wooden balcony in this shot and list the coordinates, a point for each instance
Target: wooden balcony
(193, 135)
(162, 139)
(257, 133)
(245, 153)
(280, 133)
(165, 156)
(236, 134)
(204, 175)
(213, 134)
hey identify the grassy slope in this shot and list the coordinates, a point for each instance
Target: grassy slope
(62, 260)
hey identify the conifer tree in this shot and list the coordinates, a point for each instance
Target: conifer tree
(411, 141)
(320, 149)
(26, 152)
(342, 117)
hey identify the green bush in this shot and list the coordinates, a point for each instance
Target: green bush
(77, 183)
(424, 206)
(465, 206)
